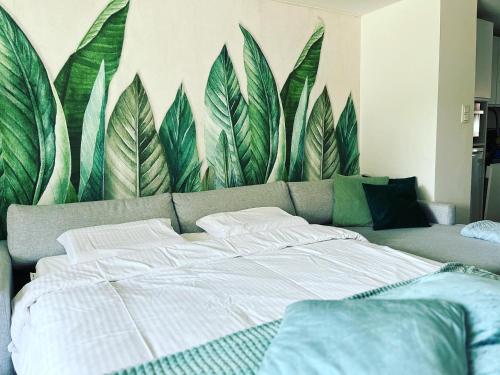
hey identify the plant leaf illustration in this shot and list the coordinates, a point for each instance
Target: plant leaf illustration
(263, 111)
(306, 67)
(208, 180)
(57, 189)
(298, 137)
(91, 186)
(27, 117)
(135, 164)
(178, 136)
(321, 153)
(222, 166)
(279, 170)
(347, 140)
(75, 81)
(227, 111)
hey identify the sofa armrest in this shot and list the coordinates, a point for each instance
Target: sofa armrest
(439, 213)
(5, 300)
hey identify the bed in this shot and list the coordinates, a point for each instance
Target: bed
(121, 311)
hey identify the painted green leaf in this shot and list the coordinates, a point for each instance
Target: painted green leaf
(3, 203)
(178, 136)
(57, 188)
(75, 81)
(208, 179)
(263, 111)
(306, 67)
(91, 186)
(222, 167)
(279, 170)
(135, 164)
(71, 196)
(27, 117)
(347, 140)
(298, 138)
(321, 153)
(227, 111)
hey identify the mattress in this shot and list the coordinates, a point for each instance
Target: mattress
(61, 262)
(117, 312)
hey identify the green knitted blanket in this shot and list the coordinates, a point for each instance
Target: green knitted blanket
(242, 352)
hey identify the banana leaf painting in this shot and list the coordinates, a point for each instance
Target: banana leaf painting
(57, 147)
(135, 163)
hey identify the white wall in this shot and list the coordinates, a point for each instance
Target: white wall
(456, 86)
(399, 91)
(417, 69)
(174, 41)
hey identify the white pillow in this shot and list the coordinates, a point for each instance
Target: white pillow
(91, 243)
(261, 219)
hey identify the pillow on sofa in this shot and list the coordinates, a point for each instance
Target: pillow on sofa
(369, 337)
(251, 220)
(92, 243)
(350, 208)
(394, 206)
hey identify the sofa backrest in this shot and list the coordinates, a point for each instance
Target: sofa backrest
(33, 230)
(313, 200)
(192, 206)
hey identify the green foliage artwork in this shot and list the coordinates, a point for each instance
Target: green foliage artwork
(56, 147)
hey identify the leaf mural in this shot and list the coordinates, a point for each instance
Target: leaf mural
(57, 188)
(279, 170)
(228, 111)
(91, 187)
(75, 81)
(223, 174)
(27, 117)
(321, 153)
(208, 180)
(347, 140)
(178, 136)
(298, 137)
(263, 111)
(135, 164)
(306, 67)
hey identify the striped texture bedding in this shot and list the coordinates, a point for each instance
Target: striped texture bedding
(117, 312)
(241, 353)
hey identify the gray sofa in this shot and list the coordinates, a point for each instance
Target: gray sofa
(32, 230)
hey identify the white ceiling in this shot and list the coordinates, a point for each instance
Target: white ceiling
(354, 7)
(490, 11)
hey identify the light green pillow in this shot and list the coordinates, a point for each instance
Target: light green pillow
(370, 337)
(350, 208)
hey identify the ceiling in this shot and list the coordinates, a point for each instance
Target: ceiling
(489, 10)
(354, 7)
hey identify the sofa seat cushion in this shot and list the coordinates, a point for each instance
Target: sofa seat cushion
(442, 243)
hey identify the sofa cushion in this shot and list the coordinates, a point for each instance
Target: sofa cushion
(442, 243)
(33, 230)
(193, 206)
(313, 200)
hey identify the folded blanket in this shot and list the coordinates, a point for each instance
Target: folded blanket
(484, 230)
(477, 291)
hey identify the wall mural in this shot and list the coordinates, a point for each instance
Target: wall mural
(57, 148)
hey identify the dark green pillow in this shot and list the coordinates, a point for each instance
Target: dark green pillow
(350, 207)
(394, 206)
(409, 182)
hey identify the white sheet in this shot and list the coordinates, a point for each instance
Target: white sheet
(117, 312)
(60, 263)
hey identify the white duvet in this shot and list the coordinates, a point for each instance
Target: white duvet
(117, 312)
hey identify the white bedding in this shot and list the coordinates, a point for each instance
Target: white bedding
(116, 312)
(60, 263)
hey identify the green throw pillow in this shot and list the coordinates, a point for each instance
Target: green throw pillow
(350, 208)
